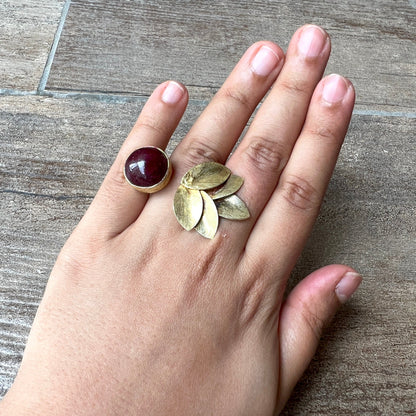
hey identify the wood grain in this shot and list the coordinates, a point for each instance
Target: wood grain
(131, 46)
(27, 30)
(55, 153)
(366, 364)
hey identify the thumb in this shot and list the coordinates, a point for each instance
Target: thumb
(308, 309)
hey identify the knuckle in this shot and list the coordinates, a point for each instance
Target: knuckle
(201, 151)
(254, 291)
(252, 300)
(313, 321)
(71, 265)
(114, 184)
(204, 271)
(151, 124)
(77, 265)
(322, 132)
(300, 193)
(295, 86)
(265, 155)
(238, 97)
(115, 178)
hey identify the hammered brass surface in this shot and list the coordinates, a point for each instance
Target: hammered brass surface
(188, 206)
(206, 176)
(230, 187)
(232, 208)
(194, 203)
(208, 224)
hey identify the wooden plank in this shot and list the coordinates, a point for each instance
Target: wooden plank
(26, 34)
(131, 46)
(55, 153)
(365, 364)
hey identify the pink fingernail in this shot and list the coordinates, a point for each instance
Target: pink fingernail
(265, 61)
(312, 41)
(173, 93)
(347, 286)
(335, 88)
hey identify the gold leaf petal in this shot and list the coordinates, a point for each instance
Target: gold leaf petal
(230, 187)
(188, 206)
(206, 176)
(232, 208)
(208, 224)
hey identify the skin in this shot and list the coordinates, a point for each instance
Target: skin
(139, 319)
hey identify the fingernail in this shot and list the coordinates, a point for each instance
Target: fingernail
(265, 61)
(173, 93)
(312, 41)
(335, 88)
(347, 286)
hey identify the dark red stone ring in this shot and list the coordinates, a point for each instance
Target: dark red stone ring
(148, 169)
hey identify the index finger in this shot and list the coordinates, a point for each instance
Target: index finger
(117, 204)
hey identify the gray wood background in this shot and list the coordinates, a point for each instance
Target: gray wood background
(75, 74)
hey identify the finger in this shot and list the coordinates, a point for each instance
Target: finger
(218, 128)
(268, 143)
(285, 223)
(117, 204)
(220, 125)
(308, 309)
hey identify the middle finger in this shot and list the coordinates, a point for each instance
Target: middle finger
(218, 128)
(220, 125)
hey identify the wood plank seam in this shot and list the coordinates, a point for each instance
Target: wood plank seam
(51, 56)
(125, 98)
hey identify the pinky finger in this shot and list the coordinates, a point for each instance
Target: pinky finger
(307, 311)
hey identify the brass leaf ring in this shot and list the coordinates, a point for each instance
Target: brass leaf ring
(207, 192)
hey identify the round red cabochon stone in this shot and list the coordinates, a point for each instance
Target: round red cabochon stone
(146, 167)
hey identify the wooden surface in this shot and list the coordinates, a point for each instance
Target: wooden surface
(27, 30)
(57, 143)
(129, 46)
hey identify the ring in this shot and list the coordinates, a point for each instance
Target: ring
(207, 192)
(148, 169)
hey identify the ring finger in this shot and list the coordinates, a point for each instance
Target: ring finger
(267, 146)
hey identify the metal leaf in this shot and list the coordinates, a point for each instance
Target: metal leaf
(233, 208)
(208, 224)
(206, 176)
(188, 206)
(230, 187)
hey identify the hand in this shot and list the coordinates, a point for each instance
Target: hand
(141, 317)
